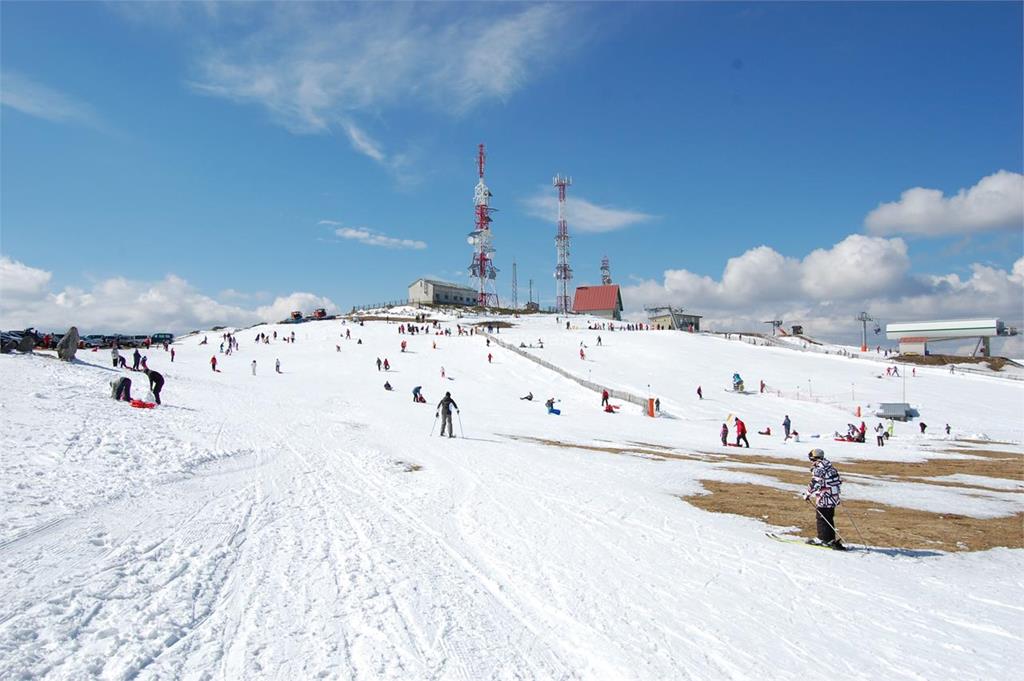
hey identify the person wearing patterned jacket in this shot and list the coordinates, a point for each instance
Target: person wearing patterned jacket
(824, 490)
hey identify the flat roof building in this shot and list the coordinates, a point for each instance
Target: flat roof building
(434, 292)
(673, 318)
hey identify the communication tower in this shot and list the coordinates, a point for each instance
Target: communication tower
(482, 268)
(563, 273)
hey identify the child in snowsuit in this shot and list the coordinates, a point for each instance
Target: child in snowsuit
(725, 434)
(824, 489)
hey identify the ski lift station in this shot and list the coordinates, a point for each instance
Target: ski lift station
(915, 336)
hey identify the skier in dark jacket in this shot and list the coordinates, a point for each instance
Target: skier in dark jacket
(824, 490)
(156, 383)
(786, 424)
(445, 408)
(136, 358)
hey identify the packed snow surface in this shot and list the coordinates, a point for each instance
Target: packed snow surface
(310, 524)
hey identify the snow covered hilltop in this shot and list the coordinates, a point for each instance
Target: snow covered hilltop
(311, 524)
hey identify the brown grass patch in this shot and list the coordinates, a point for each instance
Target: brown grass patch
(882, 525)
(795, 478)
(991, 464)
(639, 452)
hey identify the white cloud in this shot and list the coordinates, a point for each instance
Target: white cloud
(127, 306)
(311, 66)
(34, 99)
(582, 215)
(828, 288)
(371, 238)
(995, 202)
(363, 143)
(19, 281)
(856, 267)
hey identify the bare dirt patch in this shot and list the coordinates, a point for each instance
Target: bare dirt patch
(882, 525)
(994, 363)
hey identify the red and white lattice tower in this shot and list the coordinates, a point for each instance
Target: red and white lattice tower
(482, 266)
(563, 273)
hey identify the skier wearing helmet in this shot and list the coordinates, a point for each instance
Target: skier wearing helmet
(824, 490)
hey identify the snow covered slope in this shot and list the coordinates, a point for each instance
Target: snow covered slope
(306, 525)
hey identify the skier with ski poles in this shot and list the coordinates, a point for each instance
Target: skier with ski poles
(823, 491)
(445, 409)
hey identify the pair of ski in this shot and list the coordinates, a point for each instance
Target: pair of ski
(799, 541)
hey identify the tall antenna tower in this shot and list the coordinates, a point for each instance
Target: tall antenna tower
(482, 266)
(563, 273)
(606, 271)
(515, 289)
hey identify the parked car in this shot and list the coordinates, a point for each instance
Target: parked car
(93, 340)
(160, 338)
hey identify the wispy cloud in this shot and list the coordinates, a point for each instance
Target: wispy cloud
(363, 143)
(583, 216)
(35, 99)
(371, 237)
(332, 66)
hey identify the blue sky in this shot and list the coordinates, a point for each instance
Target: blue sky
(209, 153)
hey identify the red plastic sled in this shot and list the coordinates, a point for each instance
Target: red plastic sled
(139, 404)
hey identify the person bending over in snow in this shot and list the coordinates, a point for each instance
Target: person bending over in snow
(416, 396)
(445, 409)
(121, 388)
(156, 383)
(824, 490)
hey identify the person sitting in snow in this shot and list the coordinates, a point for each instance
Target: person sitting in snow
(550, 404)
(528, 397)
(387, 385)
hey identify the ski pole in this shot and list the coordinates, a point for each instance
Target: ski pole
(459, 414)
(434, 425)
(859, 533)
(818, 511)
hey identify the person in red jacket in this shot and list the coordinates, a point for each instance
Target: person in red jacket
(213, 363)
(604, 398)
(741, 433)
